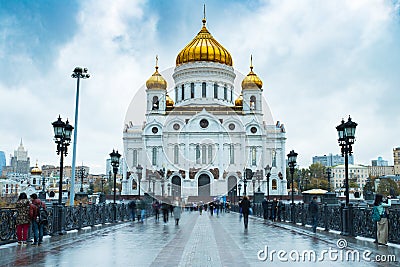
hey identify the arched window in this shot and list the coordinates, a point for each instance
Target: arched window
(154, 156)
(34, 181)
(215, 91)
(203, 90)
(253, 156)
(252, 102)
(197, 154)
(183, 91)
(231, 95)
(274, 184)
(176, 154)
(155, 103)
(192, 90)
(135, 158)
(176, 94)
(225, 93)
(203, 154)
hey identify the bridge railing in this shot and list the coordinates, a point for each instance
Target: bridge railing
(330, 218)
(66, 218)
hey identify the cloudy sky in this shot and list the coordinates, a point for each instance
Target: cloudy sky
(320, 61)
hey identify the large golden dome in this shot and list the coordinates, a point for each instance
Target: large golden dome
(204, 48)
(156, 81)
(251, 81)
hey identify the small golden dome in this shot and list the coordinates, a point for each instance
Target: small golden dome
(156, 81)
(251, 81)
(169, 101)
(239, 101)
(36, 170)
(204, 48)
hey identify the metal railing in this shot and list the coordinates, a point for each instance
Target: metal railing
(66, 218)
(330, 217)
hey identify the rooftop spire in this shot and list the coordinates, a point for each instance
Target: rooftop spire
(251, 62)
(204, 15)
(156, 62)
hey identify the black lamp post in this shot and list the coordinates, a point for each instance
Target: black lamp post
(268, 175)
(62, 137)
(82, 174)
(328, 173)
(346, 132)
(292, 157)
(115, 164)
(240, 189)
(139, 169)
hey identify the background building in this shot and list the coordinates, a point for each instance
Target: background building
(358, 174)
(20, 162)
(379, 162)
(331, 160)
(3, 162)
(396, 158)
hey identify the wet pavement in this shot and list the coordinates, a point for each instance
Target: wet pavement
(200, 240)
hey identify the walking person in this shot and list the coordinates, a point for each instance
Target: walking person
(142, 208)
(274, 209)
(313, 211)
(23, 220)
(165, 210)
(246, 205)
(156, 210)
(39, 216)
(382, 225)
(177, 212)
(132, 208)
(264, 204)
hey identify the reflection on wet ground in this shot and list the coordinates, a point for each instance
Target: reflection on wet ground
(199, 240)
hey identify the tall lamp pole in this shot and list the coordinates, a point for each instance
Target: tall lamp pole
(292, 157)
(62, 137)
(115, 164)
(268, 175)
(328, 173)
(78, 73)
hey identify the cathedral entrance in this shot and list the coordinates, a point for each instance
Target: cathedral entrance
(232, 188)
(176, 186)
(204, 185)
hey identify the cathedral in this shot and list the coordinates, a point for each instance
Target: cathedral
(205, 134)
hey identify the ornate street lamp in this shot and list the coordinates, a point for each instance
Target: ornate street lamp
(139, 169)
(82, 174)
(268, 175)
(240, 189)
(115, 164)
(346, 132)
(292, 157)
(78, 73)
(62, 137)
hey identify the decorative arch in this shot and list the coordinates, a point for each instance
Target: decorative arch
(274, 184)
(176, 183)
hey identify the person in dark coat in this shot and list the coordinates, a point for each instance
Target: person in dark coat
(37, 226)
(264, 204)
(313, 210)
(274, 209)
(245, 204)
(165, 210)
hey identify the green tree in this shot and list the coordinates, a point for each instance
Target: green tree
(388, 187)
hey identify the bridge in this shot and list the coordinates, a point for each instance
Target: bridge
(201, 240)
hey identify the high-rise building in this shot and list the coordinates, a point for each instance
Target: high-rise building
(20, 162)
(396, 158)
(331, 160)
(2, 161)
(379, 162)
